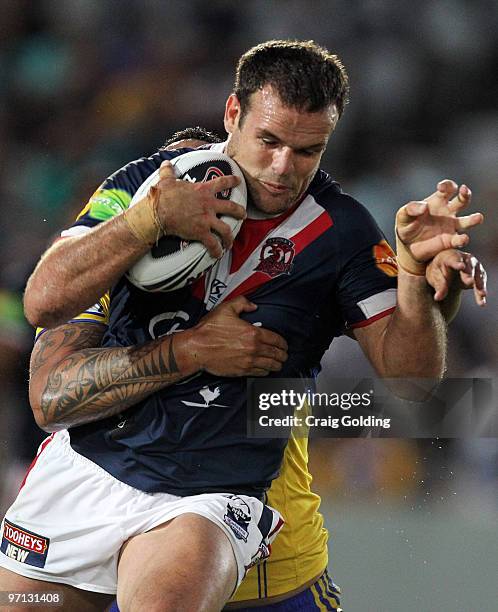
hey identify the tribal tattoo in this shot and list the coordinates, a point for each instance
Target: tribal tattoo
(79, 383)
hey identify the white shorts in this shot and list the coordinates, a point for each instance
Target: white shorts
(71, 518)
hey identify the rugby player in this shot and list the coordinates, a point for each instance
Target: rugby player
(278, 142)
(295, 575)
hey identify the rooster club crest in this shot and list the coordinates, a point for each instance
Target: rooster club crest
(276, 257)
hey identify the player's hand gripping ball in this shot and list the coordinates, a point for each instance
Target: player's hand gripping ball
(173, 262)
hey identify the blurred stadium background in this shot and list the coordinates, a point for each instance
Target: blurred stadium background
(88, 85)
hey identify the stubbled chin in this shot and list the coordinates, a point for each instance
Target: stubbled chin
(274, 206)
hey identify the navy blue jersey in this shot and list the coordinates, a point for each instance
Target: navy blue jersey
(313, 272)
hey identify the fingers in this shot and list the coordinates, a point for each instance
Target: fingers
(412, 209)
(224, 232)
(440, 272)
(267, 337)
(440, 285)
(276, 344)
(222, 182)
(212, 244)
(457, 241)
(480, 282)
(431, 247)
(446, 188)
(166, 171)
(240, 304)
(268, 359)
(444, 191)
(451, 258)
(226, 207)
(462, 199)
(470, 220)
(266, 365)
(473, 276)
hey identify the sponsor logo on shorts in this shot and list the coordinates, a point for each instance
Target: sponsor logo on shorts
(276, 257)
(238, 517)
(23, 545)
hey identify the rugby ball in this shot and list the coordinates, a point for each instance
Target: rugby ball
(173, 262)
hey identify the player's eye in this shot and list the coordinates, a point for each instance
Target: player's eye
(308, 152)
(268, 141)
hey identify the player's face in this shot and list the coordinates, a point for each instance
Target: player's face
(278, 148)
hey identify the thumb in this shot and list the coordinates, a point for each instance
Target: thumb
(242, 304)
(407, 213)
(415, 209)
(166, 171)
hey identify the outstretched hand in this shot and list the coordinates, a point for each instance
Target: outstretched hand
(451, 266)
(427, 227)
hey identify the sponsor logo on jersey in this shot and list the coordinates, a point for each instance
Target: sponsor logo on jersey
(385, 258)
(23, 545)
(238, 517)
(276, 257)
(217, 289)
(208, 396)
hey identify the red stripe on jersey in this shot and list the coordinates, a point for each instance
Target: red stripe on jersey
(376, 317)
(251, 234)
(311, 232)
(301, 240)
(198, 287)
(33, 463)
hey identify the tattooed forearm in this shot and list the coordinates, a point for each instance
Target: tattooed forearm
(67, 337)
(73, 382)
(96, 383)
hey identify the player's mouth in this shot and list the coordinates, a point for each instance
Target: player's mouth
(275, 188)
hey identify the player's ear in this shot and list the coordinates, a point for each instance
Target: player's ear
(232, 113)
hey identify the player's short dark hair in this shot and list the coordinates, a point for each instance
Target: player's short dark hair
(305, 75)
(193, 133)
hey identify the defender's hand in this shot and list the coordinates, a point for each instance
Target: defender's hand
(451, 266)
(225, 345)
(425, 228)
(190, 210)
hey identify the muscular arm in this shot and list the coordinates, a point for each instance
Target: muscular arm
(88, 264)
(73, 381)
(410, 343)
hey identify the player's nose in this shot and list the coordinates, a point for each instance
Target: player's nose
(283, 161)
